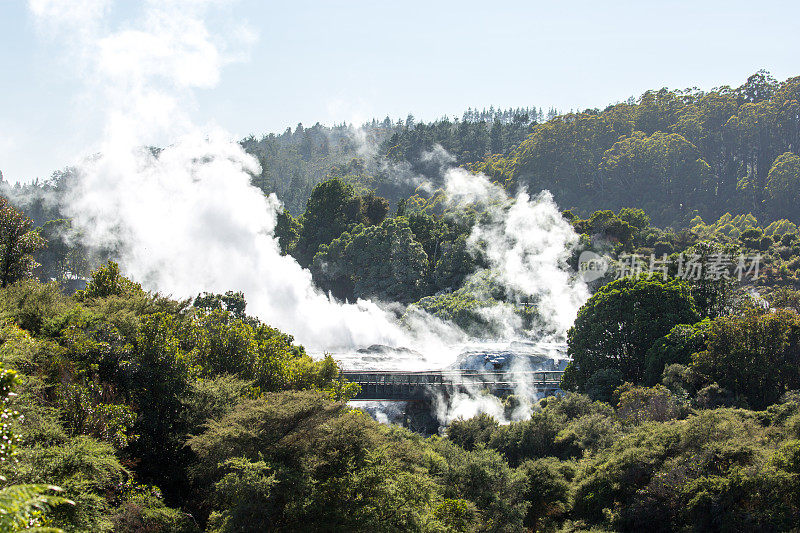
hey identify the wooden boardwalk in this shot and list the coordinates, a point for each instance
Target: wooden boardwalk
(395, 385)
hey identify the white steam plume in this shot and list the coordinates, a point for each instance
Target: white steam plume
(527, 243)
(188, 218)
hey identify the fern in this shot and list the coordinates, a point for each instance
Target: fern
(22, 507)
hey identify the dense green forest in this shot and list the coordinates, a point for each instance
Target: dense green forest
(379, 152)
(675, 153)
(126, 410)
(158, 415)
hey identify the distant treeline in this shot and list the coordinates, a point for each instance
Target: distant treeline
(675, 153)
(293, 162)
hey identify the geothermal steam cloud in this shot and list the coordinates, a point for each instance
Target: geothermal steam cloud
(185, 219)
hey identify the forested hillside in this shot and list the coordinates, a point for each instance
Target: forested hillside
(674, 153)
(130, 410)
(383, 155)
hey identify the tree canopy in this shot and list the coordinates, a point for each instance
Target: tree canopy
(620, 323)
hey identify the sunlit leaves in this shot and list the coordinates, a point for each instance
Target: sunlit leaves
(18, 241)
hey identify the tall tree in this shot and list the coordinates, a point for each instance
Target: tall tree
(619, 324)
(783, 186)
(18, 242)
(382, 261)
(333, 207)
(755, 356)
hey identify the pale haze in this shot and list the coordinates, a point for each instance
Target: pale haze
(336, 62)
(188, 219)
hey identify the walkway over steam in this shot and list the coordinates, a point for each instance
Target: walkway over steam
(411, 386)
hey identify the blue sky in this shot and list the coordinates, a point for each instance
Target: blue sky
(351, 60)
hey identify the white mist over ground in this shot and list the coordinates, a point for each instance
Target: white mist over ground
(188, 218)
(185, 219)
(527, 244)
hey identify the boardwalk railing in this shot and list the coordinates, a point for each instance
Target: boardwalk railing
(400, 385)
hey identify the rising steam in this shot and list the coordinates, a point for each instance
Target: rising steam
(185, 218)
(527, 243)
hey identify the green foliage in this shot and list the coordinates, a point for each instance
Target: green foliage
(607, 226)
(563, 155)
(444, 239)
(287, 460)
(475, 306)
(784, 297)
(564, 426)
(144, 510)
(8, 439)
(224, 344)
(549, 491)
(232, 302)
(713, 295)
(527, 439)
(706, 472)
(717, 469)
(287, 230)
(85, 413)
(294, 162)
(35, 307)
(781, 228)
(676, 347)
(601, 385)
(456, 514)
(727, 225)
(478, 134)
(619, 324)
(22, 507)
(783, 184)
(383, 261)
(636, 405)
(243, 495)
(483, 477)
(158, 377)
(211, 398)
(636, 218)
(18, 242)
(755, 356)
(472, 432)
(640, 167)
(118, 375)
(332, 208)
(674, 153)
(63, 257)
(86, 469)
(454, 265)
(108, 281)
(219, 343)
